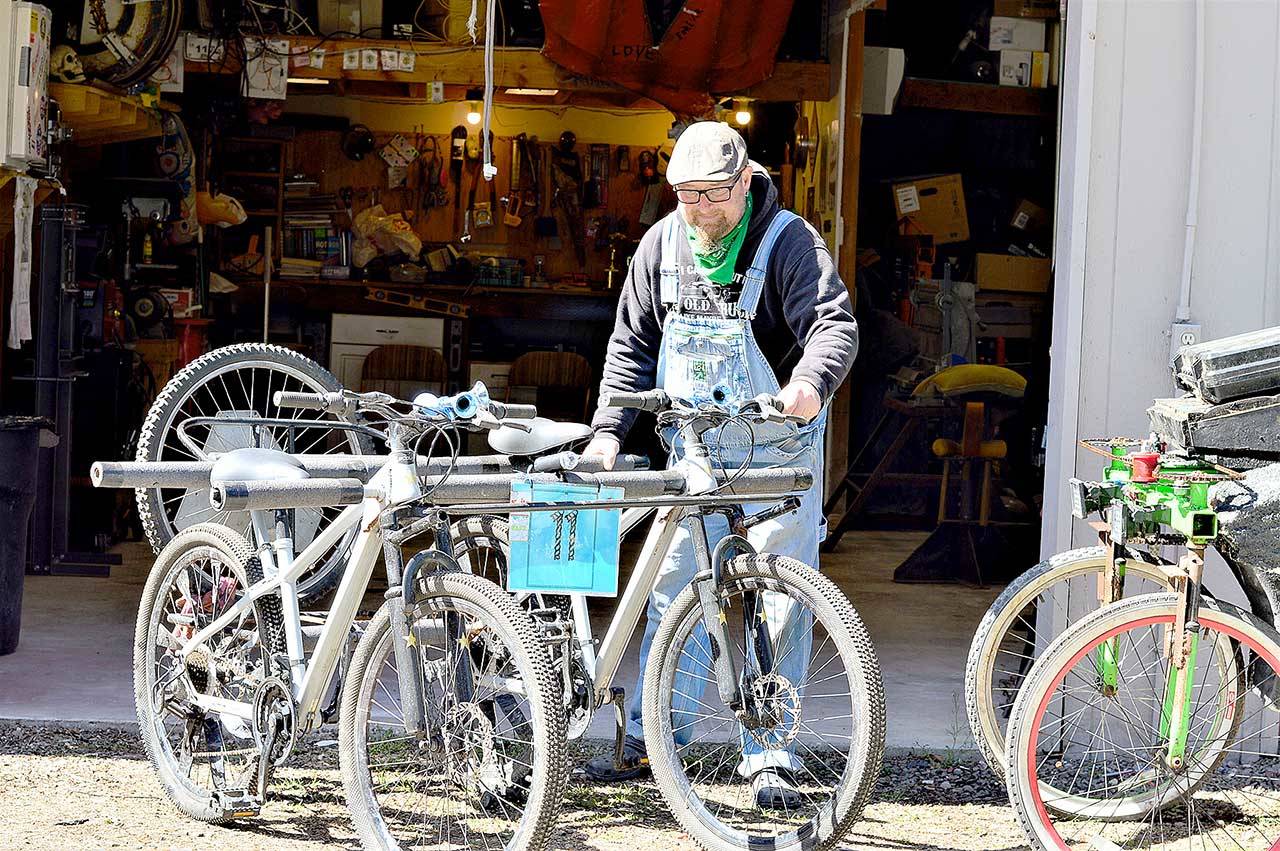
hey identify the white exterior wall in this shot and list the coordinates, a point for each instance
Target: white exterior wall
(1125, 161)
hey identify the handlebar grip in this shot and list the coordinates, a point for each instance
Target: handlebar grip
(305, 401)
(507, 411)
(628, 463)
(769, 400)
(648, 400)
(556, 462)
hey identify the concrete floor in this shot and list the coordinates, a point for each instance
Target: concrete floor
(74, 660)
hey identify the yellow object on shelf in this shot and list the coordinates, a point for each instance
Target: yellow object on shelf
(98, 116)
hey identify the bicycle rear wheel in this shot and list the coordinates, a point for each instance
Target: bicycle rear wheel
(203, 760)
(1022, 622)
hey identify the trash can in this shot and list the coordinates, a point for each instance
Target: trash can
(19, 441)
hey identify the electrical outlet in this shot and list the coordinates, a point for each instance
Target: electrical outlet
(1183, 334)
(436, 91)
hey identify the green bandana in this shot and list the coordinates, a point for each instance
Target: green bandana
(719, 266)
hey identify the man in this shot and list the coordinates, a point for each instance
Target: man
(729, 293)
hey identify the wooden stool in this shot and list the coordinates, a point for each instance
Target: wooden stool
(970, 450)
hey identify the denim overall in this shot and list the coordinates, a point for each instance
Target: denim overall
(699, 354)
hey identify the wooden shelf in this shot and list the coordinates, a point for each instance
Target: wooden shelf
(463, 66)
(270, 175)
(97, 116)
(442, 290)
(920, 93)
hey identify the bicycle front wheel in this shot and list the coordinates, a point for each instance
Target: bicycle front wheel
(1035, 608)
(1091, 764)
(819, 723)
(488, 771)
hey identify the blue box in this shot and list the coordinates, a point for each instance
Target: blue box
(574, 551)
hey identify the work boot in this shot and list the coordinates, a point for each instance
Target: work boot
(774, 790)
(635, 764)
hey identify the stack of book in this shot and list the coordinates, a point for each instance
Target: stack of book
(313, 243)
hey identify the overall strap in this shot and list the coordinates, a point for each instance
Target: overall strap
(669, 270)
(753, 288)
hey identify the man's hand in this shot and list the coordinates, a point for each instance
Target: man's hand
(605, 447)
(800, 398)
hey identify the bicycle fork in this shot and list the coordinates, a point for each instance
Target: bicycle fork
(733, 691)
(1182, 644)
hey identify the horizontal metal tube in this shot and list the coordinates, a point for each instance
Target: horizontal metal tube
(302, 493)
(194, 475)
(463, 490)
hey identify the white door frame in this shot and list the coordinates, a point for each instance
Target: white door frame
(1071, 229)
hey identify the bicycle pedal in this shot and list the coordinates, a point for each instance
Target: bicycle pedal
(237, 803)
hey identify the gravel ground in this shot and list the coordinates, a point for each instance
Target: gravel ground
(73, 788)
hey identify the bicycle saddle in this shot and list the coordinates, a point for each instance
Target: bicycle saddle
(544, 435)
(252, 464)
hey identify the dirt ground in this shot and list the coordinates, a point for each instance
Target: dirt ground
(69, 788)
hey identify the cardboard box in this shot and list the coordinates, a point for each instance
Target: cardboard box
(882, 72)
(1047, 9)
(1008, 273)
(1024, 68)
(1017, 34)
(350, 16)
(933, 205)
(1028, 217)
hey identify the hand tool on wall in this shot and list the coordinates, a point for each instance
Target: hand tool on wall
(457, 157)
(512, 201)
(595, 193)
(482, 211)
(568, 194)
(545, 226)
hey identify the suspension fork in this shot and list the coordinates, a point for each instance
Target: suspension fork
(403, 642)
(403, 593)
(1182, 646)
(707, 585)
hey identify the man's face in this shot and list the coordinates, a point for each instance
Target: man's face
(711, 221)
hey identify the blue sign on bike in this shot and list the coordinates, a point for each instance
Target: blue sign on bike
(573, 550)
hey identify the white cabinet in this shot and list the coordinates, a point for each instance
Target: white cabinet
(355, 335)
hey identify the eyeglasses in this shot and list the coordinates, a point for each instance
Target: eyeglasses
(716, 194)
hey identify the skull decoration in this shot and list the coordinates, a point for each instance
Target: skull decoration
(64, 65)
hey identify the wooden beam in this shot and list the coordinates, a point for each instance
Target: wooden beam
(516, 68)
(852, 130)
(847, 223)
(976, 97)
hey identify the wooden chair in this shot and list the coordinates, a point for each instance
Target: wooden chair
(403, 371)
(566, 372)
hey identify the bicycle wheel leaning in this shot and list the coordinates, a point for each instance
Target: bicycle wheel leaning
(240, 381)
(1037, 606)
(1089, 746)
(820, 706)
(204, 761)
(490, 769)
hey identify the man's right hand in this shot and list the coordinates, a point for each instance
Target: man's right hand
(605, 447)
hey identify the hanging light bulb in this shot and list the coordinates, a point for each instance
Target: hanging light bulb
(473, 112)
(742, 114)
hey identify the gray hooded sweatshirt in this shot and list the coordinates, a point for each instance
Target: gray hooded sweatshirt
(804, 324)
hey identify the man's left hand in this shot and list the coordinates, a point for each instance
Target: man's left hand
(800, 398)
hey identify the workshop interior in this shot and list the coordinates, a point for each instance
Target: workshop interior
(421, 194)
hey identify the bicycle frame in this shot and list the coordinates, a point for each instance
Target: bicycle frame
(396, 484)
(310, 677)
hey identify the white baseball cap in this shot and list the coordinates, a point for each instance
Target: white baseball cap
(706, 150)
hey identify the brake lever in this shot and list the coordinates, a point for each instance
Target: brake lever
(518, 425)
